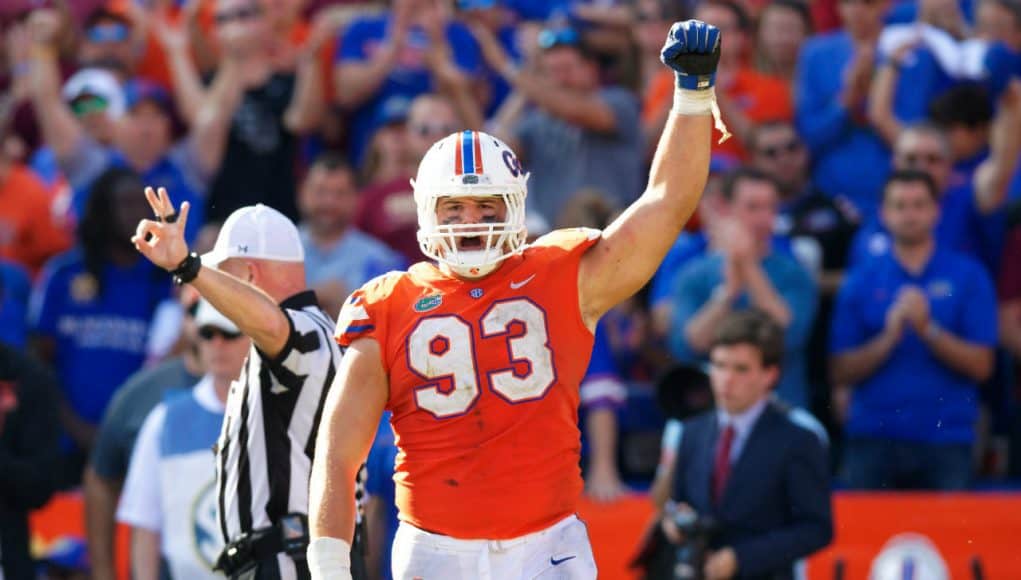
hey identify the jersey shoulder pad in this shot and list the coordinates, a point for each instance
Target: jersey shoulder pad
(569, 239)
(362, 311)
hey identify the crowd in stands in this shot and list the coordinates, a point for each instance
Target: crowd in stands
(869, 201)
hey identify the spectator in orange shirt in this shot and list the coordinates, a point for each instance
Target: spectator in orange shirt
(28, 234)
(746, 97)
(783, 27)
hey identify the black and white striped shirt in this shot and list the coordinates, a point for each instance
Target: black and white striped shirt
(264, 453)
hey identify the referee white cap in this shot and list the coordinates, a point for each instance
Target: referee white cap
(207, 315)
(256, 232)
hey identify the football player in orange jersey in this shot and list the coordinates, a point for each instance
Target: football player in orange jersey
(479, 356)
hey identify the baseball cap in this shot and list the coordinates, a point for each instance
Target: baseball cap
(256, 232)
(206, 315)
(394, 110)
(98, 83)
(138, 90)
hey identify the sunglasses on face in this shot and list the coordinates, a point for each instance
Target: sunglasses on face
(211, 332)
(88, 104)
(774, 151)
(241, 13)
(916, 159)
(104, 33)
(425, 129)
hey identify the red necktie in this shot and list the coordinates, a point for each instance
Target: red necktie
(721, 467)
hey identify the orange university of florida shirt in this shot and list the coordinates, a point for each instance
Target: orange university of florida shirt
(484, 380)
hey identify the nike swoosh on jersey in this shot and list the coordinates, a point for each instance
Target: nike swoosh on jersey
(278, 389)
(556, 562)
(516, 285)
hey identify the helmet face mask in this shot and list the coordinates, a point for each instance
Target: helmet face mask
(470, 164)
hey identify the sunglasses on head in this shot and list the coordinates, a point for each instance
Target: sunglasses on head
(553, 37)
(211, 332)
(774, 151)
(241, 13)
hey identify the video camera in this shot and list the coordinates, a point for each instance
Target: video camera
(690, 555)
(684, 391)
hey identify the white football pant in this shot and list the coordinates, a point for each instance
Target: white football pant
(561, 551)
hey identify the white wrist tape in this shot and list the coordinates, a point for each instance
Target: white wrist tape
(329, 559)
(687, 102)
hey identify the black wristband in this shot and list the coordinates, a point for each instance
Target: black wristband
(187, 270)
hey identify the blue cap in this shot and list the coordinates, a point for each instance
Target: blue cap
(393, 110)
(139, 90)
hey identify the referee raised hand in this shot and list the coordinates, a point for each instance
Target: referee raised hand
(161, 239)
(255, 276)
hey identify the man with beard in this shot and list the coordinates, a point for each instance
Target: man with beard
(913, 335)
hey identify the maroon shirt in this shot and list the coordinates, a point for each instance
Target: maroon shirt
(388, 212)
(1010, 270)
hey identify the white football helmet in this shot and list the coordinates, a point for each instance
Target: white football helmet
(470, 164)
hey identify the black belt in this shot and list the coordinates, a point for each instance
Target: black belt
(288, 535)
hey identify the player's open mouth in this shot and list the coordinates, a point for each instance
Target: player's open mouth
(470, 243)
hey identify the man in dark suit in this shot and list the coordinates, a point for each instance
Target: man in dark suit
(750, 464)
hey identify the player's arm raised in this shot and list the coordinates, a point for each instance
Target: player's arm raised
(351, 415)
(633, 246)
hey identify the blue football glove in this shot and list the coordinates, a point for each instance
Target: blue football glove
(692, 49)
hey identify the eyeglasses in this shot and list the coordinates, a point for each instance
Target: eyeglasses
(427, 129)
(211, 332)
(916, 159)
(241, 13)
(774, 151)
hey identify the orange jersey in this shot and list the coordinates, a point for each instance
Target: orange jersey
(483, 388)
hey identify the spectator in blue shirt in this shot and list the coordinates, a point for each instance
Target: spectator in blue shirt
(92, 309)
(412, 49)
(744, 271)
(603, 394)
(339, 258)
(831, 87)
(142, 138)
(574, 117)
(15, 287)
(381, 506)
(498, 19)
(913, 335)
(691, 245)
(973, 215)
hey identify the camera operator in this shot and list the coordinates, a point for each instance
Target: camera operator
(751, 488)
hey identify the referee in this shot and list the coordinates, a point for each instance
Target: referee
(255, 276)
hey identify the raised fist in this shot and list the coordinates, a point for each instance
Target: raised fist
(692, 49)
